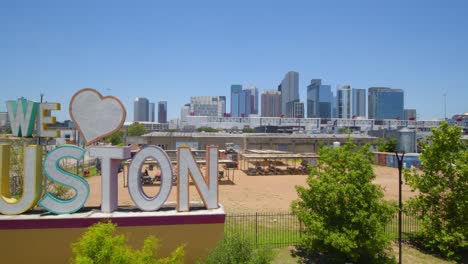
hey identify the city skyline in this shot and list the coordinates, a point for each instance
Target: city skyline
(127, 51)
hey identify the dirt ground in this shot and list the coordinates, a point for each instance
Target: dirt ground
(252, 193)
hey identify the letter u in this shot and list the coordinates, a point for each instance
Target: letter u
(32, 182)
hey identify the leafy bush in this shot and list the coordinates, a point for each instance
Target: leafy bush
(99, 244)
(343, 212)
(442, 203)
(387, 144)
(207, 129)
(234, 249)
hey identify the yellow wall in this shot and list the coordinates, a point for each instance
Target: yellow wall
(53, 245)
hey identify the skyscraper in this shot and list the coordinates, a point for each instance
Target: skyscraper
(298, 110)
(386, 103)
(271, 103)
(313, 91)
(344, 101)
(236, 90)
(140, 109)
(151, 112)
(208, 105)
(359, 103)
(245, 103)
(162, 112)
(319, 100)
(289, 88)
(254, 100)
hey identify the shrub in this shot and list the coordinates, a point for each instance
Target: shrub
(343, 212)
(99, 244)
(234, 249)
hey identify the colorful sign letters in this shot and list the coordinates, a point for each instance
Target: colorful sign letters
(96, 117)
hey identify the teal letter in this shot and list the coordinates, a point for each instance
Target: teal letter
(58, 175)
(22, 115)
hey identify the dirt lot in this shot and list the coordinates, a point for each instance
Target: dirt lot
(253, 193)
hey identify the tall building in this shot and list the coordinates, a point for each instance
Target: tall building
(410, 114)
(184, 112)
(254, 100)
(289, 89)
(245, 103)
(140, 109)
(4, 122)
(298, 110)
(236, 90)
(359, 103)
(319, 100)
(151, 112)
(313, 92)
(385, 103)
(334, 107)
(208, 105)
(344, 101)
(271, 103)
(162, 112)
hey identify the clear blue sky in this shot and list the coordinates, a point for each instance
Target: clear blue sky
(171, 50)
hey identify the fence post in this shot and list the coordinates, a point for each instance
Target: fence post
(256, 229)
(300, 229)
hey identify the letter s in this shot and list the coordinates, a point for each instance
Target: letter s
(56, 174)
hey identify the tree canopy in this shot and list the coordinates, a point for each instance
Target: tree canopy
(136, 129)
(343, 211)
(442, 203)
(387, 144)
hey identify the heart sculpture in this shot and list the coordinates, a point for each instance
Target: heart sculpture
(96, 116)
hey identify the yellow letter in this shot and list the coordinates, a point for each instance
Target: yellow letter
(32, 181)
(45, 119)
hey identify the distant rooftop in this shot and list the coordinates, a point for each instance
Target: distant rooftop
(252, 135)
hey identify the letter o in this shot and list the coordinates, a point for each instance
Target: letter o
(135, 188)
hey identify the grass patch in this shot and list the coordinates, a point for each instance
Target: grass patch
(410, 255)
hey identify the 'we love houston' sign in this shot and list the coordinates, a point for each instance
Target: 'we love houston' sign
(95, 116)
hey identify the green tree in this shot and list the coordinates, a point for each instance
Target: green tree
(116, 138)
(387, 144)
(343, 211)
(248, 130)
(442, 203)
(99, 244)
(207, 129)
(136, 129)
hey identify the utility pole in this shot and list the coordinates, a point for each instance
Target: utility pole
(38, 138)
(400, 183)
(445, 106)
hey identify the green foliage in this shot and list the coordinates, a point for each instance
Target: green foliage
(442, 203)
(136, 129)
(343, 212)
(17, 148)
(234, 249)
(387, 144)
(345, 130)
(59, 190)
(99, 244)
(116, 138)
(248, 130)
(207, 129)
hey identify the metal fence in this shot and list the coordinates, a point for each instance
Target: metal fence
(265, 229)
(284, 228)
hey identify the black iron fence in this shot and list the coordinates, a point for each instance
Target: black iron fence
(284, 228)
